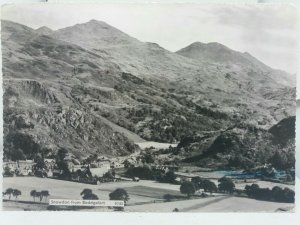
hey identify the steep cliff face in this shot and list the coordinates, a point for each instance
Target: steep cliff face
(35, 115)
(101, 91)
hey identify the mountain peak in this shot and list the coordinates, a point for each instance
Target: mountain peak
(219, 53)
(93, 21)
(94, 34)
(209, 45)
(44, 30)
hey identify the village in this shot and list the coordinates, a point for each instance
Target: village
(93, 169)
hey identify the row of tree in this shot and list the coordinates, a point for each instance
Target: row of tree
(35, 194)
(12, 192)
(119, 194)
(276, 194)
(189, 188)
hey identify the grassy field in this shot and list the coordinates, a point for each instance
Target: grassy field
(214, 204)
(142, 194)
(139, 192)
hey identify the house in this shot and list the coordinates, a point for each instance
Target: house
(21, 167)
(102, 163)
(49, 163)
(116, 165)
(11, 165)
(184, 176)
(100, 171)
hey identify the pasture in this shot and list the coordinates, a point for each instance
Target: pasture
(145, 196)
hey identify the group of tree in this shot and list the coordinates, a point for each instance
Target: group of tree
(12, 192)
(119, 194)
(39, 194)
(205, 184)
(143, 172)
(276, 194)
(147, 173)
(283, 160)
(189, 188)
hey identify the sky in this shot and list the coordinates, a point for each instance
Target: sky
(268, 32)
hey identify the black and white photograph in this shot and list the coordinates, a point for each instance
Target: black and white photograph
(167, 108)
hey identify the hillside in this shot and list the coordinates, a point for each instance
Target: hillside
(92, 88)
(246, 147)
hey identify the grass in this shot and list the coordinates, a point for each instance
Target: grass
(145, 196)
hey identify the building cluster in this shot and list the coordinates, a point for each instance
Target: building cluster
(21, 167)
(99, 167)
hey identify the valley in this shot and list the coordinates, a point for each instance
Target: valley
(88, 106)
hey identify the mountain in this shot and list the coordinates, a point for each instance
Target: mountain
(246, 147)
(44, 30)
(242, 61)
(138, 58)
(91, 88)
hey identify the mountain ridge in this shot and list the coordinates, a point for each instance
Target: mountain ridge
(95, 93)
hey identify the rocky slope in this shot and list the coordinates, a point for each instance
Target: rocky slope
(92, 88)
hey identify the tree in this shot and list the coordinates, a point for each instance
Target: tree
(197, 181)
(33, 194)
(209, 186)
(38, 195)
(277, 193)
(45, 194)
(288, 195)
(187, 188)
(9, 192)
(121, 195)
(61, 154)
(7, 171)
(63, 166)
(40, 164)
(251, 191)
(170, 177)
(16, 193)
(88, 194)
(142, 172)
(158, 175)
(148, 158)
(279, 160)
(226, 185)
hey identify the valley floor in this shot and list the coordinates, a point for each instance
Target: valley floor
(145, 196)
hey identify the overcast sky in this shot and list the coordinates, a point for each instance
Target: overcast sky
(268, 32)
